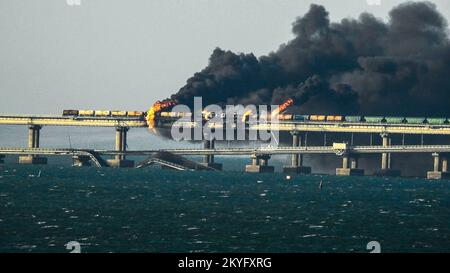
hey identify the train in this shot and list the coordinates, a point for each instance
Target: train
(103, 113)
(282, 117)
(364, 119)
(332, 118)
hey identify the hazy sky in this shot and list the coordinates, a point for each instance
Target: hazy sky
(125, 54)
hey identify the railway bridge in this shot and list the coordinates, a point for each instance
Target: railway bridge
(34, 154)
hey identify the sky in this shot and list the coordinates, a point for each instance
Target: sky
(126, 54)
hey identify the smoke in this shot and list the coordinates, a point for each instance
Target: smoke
(355, 66)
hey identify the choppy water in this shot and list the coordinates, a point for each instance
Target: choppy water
(152, 210)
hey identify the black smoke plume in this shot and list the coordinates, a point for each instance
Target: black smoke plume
(356, 66)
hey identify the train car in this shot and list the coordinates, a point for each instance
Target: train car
(285, 117)
(395, 120)
(136, 114)
(317, 117)
(87, 113)
(300, 117)
(70, 112)
(117, 113)
(436, 121)
(415, 120)
(334, 118)
(102, 113)
(353, 118)
(374, 119)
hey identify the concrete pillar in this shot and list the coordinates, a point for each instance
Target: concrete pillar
(124, 142)
(260, 164)
(31, 134)
(295, 143)
(386, 161)
(354, 162)
(384, 156)
(345, 161)
(121, 145)
(436, 162)
(33, 142)
(444, 164)
(206, 146)
(2, 159)
(208, 160)
(255, 160)
(296, 159)
(212, 145)
(37, 134)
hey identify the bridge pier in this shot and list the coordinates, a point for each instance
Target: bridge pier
(386, 161)
(208, 160)
(2, 159)
(297, 159)
(436, 173)
(349, 166)
(260, 164)
(33, 142)
(121, 146)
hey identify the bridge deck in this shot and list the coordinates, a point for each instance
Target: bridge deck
(239, 151)
(71, 121)
(304, 126)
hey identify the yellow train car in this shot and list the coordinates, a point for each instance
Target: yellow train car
(317, 117)
(116, 113)
(335, 118)
(102, 113)
(87, 113)
(135, 113)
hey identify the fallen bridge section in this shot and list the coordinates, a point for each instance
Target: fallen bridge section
(172, 161)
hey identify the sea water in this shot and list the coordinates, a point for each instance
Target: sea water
(42, 208)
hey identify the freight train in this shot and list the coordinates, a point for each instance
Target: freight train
(282, 117)
(103, 113)
(334, 118)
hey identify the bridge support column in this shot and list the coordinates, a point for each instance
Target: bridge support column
(2, 159)
(33, 142)
(81, 161)
(437, 173)
(386, 162)
(260, 164)
(208, 160)
(297, 159)
(121, 146)
(349, 166)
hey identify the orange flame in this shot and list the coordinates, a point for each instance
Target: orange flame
(157, 107)
(282, 107)
(246, 114)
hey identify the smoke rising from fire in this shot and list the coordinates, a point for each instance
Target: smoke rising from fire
(355, 66)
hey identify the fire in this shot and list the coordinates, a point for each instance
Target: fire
(246, 114)
(282, 107)
(157, 107)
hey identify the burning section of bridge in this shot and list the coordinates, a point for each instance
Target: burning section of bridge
(157, 107)
(289, 102)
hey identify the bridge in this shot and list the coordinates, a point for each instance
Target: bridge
(33, 154)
